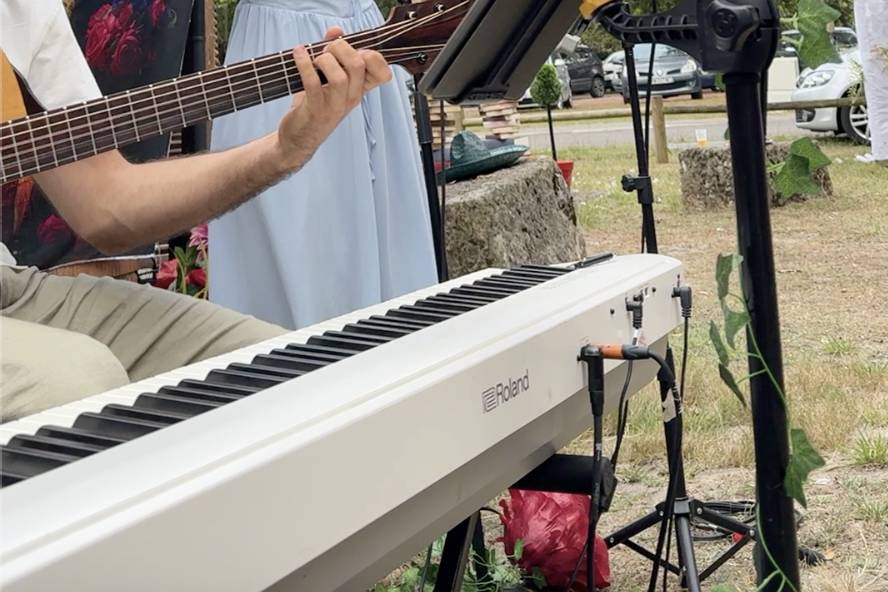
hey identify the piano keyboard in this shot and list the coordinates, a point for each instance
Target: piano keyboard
(321, 459)
(66, 434)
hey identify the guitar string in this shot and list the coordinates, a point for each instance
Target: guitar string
(377, 36)
(34, 162)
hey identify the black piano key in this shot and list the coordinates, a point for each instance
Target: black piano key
(511, 281)
(308, 349)
(49, 444)
(292, 362)
(256, 380)
(126, 428)
(201, 394)
(415, 324)
(10, 478)
(377, 339)
(467, 300)
(527, 275)
(546, 269)
(354, 344)
(311, 356)
(81, 436)
(368, 328)
(492, 285)
(217, 387)
(480, 293)
(28, 463)
(165, 417)
(285, 373)
(412, 312)
(190, 405)
(437, 303)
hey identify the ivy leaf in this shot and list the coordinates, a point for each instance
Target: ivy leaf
(817, 48)
(719, 345)
(807, 149)
(734, 322)
(795, 178)
(729, 381)
(802, 461)
(538, 578)
(723, 269)
(519, 550)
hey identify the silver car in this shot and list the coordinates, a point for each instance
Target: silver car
(674, 73)
(613, 70)
(833, 81)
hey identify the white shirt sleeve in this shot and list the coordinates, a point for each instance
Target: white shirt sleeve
(58, 74)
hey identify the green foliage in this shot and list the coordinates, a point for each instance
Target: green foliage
(795, 176)
(385, 6)
(871, 451)
(803, 458)
(546, 88)
(813, 21)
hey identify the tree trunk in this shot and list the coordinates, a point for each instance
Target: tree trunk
(551, 131)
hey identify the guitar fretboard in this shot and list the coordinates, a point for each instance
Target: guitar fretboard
(62, 136)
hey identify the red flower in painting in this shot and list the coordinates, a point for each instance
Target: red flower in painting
(167, 274)
(99, 33)
(52, 229)
(128, 55)
(158, 9)
(197, 278)
(124, 18)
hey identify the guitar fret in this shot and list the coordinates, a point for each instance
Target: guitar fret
(258, 80)
(203, 92)
(74, 154)
(153, 96)
(89, 126)
(287, 72)
(179, 101)
(231, 92)
(133, 116)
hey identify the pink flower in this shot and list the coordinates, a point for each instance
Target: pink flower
(167, 274)
(124, 17)
(157, 10)
(197, 278)
(128, 55)
(200, 237)
(99, 31)
(52, 229)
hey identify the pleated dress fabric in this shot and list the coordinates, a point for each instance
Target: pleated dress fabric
(350, 229)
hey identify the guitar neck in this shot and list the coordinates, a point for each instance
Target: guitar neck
(412, 36)
(62, 136)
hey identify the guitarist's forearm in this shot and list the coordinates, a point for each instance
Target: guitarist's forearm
(134, 205)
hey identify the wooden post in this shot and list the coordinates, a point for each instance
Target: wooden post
(661, 145)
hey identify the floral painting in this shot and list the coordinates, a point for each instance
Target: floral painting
(127, 44)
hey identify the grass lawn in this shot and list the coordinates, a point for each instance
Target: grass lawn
(832, 259)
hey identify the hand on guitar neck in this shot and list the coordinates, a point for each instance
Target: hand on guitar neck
(318, 110)
(118, 206)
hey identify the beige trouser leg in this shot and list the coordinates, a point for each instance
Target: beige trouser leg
(148, 330)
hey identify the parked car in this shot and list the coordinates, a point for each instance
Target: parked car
(566, 99)
(844, 39)
(613, 70)
(674, 73)
(833, 81)
(586, 72)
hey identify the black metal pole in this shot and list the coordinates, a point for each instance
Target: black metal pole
(643, 182)
(551, 132)
(424, 132)
(769, 422)
(197, 137)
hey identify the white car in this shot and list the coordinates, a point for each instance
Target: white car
(613, 70)
(833, 81)
(566, 99)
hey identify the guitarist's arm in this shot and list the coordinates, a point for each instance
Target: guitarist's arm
(117, 206)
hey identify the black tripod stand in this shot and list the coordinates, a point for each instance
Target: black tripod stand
(739, 39)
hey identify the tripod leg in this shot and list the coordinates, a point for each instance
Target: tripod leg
(691, 579)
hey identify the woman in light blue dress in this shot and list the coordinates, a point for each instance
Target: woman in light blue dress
(350, 229)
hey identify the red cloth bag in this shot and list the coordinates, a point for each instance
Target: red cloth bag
(553, 527)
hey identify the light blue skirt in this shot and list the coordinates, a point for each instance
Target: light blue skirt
(349, 230)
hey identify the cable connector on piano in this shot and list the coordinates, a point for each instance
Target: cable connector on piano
(636, 307)
(686, 296)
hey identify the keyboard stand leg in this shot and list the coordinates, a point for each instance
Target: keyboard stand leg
(455, 556)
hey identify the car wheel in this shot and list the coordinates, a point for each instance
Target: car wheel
(697, 95)
(855, 123)
(598, 87)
